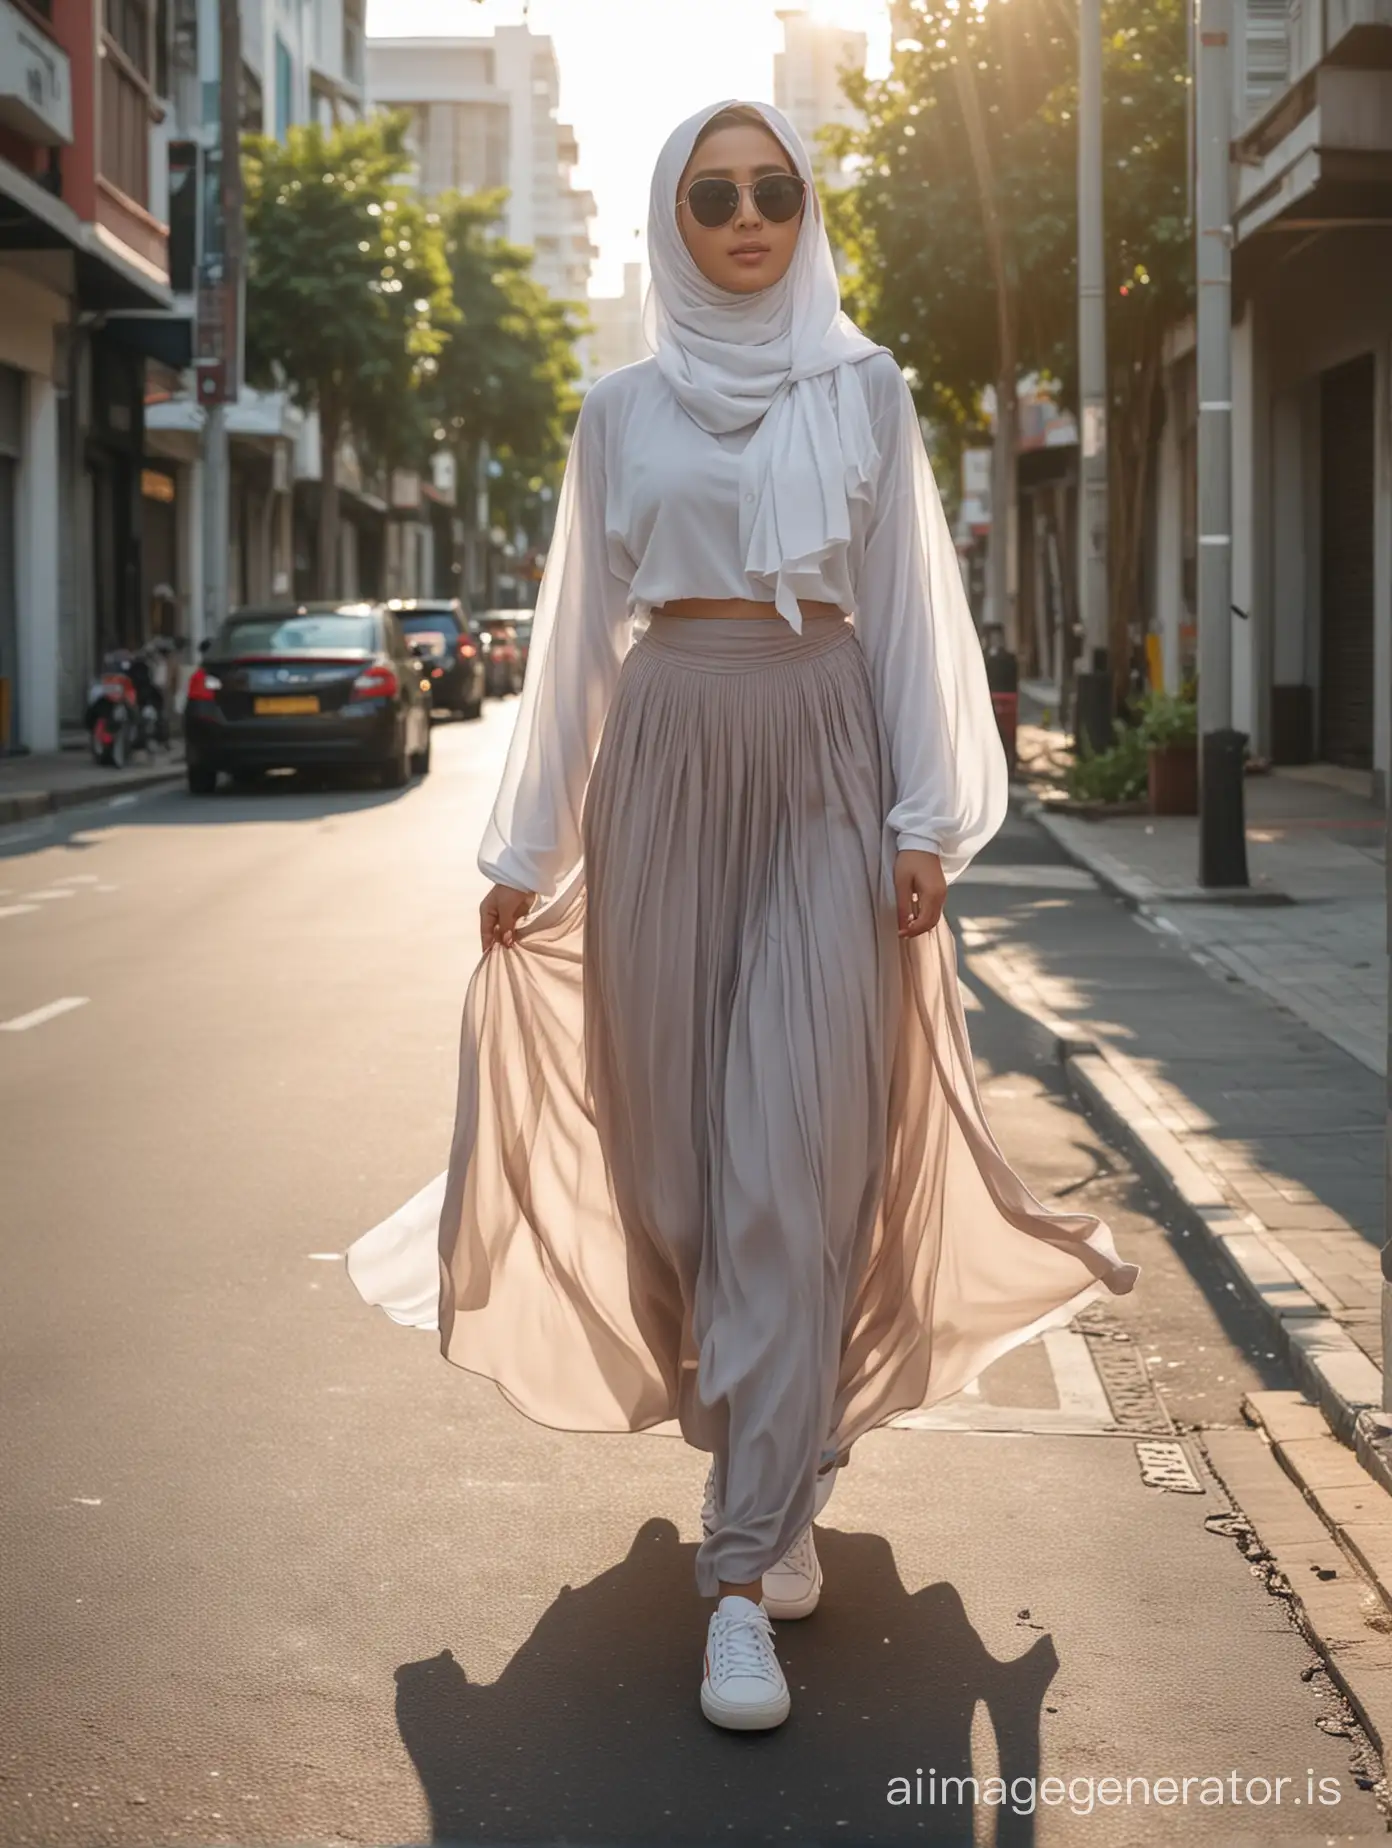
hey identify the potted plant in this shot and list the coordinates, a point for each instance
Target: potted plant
(1169, 728)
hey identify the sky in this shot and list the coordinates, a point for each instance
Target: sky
(630, 71)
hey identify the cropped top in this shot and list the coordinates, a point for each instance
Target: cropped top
(652, 509)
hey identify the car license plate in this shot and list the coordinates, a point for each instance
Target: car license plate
(289, 702)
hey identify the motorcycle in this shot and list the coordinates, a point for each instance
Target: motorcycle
(126, 708)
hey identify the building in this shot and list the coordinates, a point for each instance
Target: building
(84, 300)
(807, 76)
(1312, 385)
(617, 320)
(301, 62)
(483, 118)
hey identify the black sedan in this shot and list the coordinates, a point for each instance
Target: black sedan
(438, 630)
(329, 686)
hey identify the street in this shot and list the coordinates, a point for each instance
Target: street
(275, 1573)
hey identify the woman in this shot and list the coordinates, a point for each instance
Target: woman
(719, 1154)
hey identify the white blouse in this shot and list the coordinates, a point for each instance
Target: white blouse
(650, 511)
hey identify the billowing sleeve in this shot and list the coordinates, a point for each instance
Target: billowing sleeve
(580, 633)
(925, 659)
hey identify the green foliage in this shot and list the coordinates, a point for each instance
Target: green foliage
(1118, 775)
(1168, 718)
(348, 288)
(912, 224)
(507, 373)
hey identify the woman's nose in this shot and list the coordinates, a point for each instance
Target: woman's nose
(747, 217)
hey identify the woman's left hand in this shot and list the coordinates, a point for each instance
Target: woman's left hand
(920, 887)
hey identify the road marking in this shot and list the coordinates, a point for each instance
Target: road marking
(52, 892)
(13, 911)
(1083, 1408)
(326, 1257)
(122, 801)
(1076, 1379)
(22, 1022)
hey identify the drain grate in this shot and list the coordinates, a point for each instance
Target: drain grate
(1165, 1465)
(1136, 1405)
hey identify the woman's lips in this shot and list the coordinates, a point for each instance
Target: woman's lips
(749, 254)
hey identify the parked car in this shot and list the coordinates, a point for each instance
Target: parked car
(523, 626)
(315, 685)
(437, 628)
(497, 634)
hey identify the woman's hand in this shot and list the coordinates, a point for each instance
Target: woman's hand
(920, 886)
(500, 913)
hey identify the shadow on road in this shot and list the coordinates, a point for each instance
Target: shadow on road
(594, 1732)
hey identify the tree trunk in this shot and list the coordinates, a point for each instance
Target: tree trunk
(1131, 480)
(1000, 560)
(330, 432)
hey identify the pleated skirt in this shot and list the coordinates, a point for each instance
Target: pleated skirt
(720, 1162)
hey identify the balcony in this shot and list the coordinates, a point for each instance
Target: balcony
(35, 80)
(1320, 152)
(127, 113)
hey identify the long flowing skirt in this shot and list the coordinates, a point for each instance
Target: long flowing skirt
(719, 1154)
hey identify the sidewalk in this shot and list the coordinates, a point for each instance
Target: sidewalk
(46, 781)
(1237, 1051)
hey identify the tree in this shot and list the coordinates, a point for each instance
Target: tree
(507, 372)
(962, 225)
(348, 292)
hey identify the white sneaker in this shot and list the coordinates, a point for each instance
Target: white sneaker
(742, 1685)
(793, 1587)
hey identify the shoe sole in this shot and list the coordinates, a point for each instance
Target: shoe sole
(789, 1611)
(739, 1717)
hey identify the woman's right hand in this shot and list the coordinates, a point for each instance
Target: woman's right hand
(500, 913)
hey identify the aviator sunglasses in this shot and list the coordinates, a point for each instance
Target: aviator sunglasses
(777, 197)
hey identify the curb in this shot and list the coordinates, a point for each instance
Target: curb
(1134, 890)
(1332, 1369)
(1338, 1610)
(28, 804)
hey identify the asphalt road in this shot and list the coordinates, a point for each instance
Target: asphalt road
(275, 1573)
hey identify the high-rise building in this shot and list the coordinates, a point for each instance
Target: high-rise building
(807, 77)
(483, 117)
(617, 339)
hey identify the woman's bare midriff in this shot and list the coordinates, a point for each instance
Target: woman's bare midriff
(718, 608)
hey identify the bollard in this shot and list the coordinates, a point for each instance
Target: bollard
(1003, 678)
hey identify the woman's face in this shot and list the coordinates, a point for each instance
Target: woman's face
(749, 252)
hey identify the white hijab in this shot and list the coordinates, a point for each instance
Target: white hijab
(783, 358)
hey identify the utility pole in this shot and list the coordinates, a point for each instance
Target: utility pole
(219, 289)
(1001, 581)
(1387, 1207)
(1094, 703)
(1222, 833)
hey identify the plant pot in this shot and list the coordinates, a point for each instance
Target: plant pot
(1172, 772)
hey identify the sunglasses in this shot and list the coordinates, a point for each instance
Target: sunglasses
(777, 197)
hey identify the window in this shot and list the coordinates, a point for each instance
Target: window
(128, 26)
(284, 89)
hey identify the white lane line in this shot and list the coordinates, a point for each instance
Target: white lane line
(53, 892)
(326, 1257)
(122, 801)
(1076, 1379)
(22, 1022)
(13, 911)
